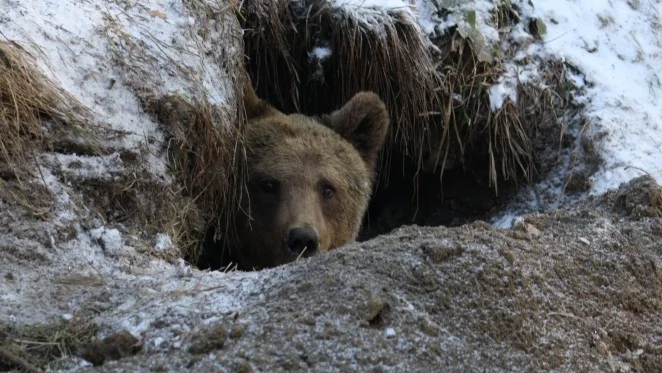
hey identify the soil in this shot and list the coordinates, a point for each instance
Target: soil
(578, 289)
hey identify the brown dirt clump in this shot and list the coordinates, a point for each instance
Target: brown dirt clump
(209, 340)
(115, 346)
(641, 199)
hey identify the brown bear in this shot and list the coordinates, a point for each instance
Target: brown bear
(309, 179)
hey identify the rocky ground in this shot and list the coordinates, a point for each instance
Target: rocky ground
(578, 289)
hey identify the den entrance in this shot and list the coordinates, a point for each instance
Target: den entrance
(451, 157)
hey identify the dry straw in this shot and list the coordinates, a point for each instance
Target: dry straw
(436, 92)
(28, 101)
(33, 347)
(203, 138)
(388, 56)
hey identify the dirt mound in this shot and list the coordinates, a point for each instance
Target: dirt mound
(576, 290)
(640, 199)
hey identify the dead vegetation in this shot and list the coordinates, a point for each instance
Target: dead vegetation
(202, 137)
(36, 347)
(35, 114)
(388, 56)
(113, 347)
(209, 164)
(437, 91)
(438, 97)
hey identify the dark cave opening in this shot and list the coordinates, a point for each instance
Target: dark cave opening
(408, 196)
(510, 148)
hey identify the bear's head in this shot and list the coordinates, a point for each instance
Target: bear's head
(309, 179)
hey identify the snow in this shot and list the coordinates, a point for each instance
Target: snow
(111, 240)
(321, 53)
(374, 13)
(423, 13)
(499, 92)
(506, 221)
(383, 4)
(35, 24)
(162, 242)
(618, 48)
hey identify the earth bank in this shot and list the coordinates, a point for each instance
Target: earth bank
(572, 290)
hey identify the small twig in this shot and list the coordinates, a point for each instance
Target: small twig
(637, 168)
(564, 315)
(23, 341)
(227, 267)
(212, 288)
(300, 254)
(41, 174)
(17, 361)
(231, 267)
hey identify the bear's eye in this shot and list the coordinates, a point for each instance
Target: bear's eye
(328, 190)
(269, 186)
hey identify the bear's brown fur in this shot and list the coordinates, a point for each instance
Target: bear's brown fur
(309, 179)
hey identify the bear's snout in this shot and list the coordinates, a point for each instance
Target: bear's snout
(302, 238)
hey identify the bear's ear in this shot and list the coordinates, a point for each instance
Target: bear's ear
(254, 106)
(363, 121)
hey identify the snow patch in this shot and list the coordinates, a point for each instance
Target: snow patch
(162, 242)
(320, 53)
(383, 4)
(617, 46)
(373, 13)
(506, 221)
(499, 92)
(112, 240)
(423, 12)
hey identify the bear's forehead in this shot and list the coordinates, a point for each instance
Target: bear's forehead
(299, 147)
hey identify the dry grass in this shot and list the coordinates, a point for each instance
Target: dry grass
(388, 56)
(438, 97)
(39, 346)
(28, 101)
(203, 140)
(509, 140)
(24, 100)
(209, 164)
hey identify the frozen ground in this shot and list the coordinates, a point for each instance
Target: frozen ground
(465, 298)
(617, 45)
(97, 51)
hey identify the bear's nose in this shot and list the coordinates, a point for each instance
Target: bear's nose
(302, 238)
